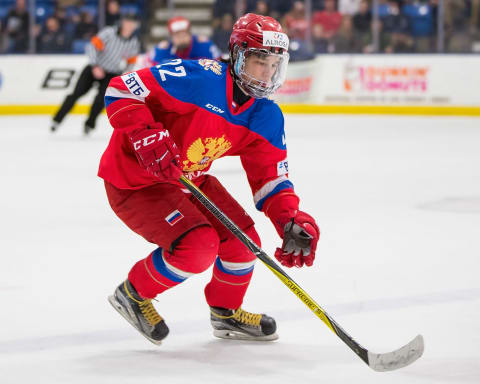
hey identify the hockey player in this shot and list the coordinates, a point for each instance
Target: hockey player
(177, 118)
(183, 44)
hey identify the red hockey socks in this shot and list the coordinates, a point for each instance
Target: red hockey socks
(161, 270)
(232, 273)
(151, 276)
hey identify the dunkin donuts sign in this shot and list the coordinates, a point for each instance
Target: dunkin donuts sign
(398, 79)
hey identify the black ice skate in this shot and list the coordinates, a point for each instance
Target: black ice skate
(139, 312)
(54, 126)
(87, 129)
(242, 325)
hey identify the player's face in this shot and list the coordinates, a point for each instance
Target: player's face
(262, 67)
(181, 39)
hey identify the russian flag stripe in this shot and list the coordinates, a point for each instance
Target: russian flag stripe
(174, 217)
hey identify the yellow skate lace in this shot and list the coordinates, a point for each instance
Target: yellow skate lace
(242, 316)
(147, 308)
(149, 312)
(247, 317)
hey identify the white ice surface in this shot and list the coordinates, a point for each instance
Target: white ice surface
(398, 203)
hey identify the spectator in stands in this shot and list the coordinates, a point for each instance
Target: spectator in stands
(344, 40)
(318, 5)
(296, 25)
(67, 23)
(320, 42)
(396, 30)
(221, 36)
(52, 38)
(420, 17)
(279, 8)
(86, 27)
(61, 15)
(475, 19)
(455, 14)
(17, 28)
(362, 24)
(2, 40)
(329, 18)
(434, 6)
(299, 50)
(182, 44)
(220, 8)
(240, 8)
(295, 21)
(261, 8)
(456, 26)
(112, 13)
(69, 3)
(349, 7)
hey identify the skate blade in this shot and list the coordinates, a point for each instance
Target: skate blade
(118, 307)
(233, 335)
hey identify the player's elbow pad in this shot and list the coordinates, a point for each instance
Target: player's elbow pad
(131, 116)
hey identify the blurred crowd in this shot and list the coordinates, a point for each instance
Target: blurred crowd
(331, 26)
(60, 26)
(347, 26)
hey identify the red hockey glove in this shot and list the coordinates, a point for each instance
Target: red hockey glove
(300, 239)
(156, 151)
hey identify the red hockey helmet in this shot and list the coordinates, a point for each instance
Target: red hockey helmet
(177, 24)
(260, 37)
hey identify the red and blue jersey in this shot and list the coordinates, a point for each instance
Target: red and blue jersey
(200, 48)
(194, 101)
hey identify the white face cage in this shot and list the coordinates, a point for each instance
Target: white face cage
(257, 87)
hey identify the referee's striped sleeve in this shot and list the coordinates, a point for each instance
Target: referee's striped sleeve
(131, 61)
(91, 53)
(111, 51)
(97, 44)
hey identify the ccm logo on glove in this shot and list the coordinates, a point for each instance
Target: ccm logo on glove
(156, 151)
(146, 141)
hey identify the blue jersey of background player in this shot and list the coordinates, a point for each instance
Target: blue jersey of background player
(183, 44)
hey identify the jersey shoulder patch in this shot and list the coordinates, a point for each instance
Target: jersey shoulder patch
(211, 65)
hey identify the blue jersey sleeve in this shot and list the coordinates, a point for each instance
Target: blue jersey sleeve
(160, 54)
(265, 160)
(204, 49)
(269, 123)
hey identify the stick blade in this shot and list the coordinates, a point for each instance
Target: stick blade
(382, 362)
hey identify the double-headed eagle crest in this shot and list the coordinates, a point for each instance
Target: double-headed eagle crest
(212, 65)
(203, 151)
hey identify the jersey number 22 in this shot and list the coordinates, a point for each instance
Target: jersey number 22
(179, 71)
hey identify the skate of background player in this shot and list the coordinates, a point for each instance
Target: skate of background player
(380, 362)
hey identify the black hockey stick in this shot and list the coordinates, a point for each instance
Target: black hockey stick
(378, 361)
